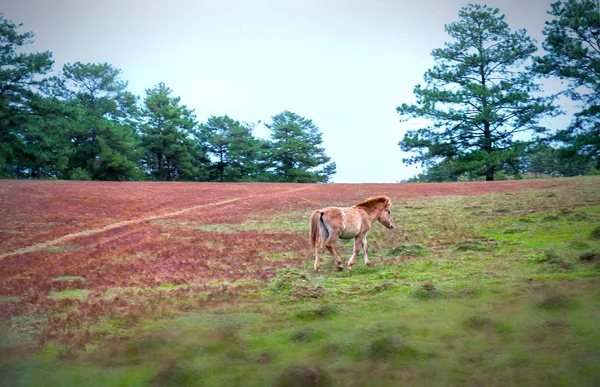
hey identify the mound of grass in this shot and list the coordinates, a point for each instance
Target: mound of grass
(551, 218)
(411, 250)
(477, 322)
(303, 335)
(285, 281)
(579, 245)
(385, 347)
(595, 234)
(514, 230)
(527, 220)
(553, 258)
(308, 291)
(315, 313)
(302, 375)
(174, 373)
(426, 291)
(590, 256)
(554, 301)
(473, 245)
(579, 217)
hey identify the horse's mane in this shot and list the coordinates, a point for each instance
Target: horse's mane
(372, 202)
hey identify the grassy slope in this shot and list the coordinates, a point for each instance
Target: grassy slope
(490, 290)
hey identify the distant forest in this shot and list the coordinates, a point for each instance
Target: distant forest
(83, 124)
(481, 98)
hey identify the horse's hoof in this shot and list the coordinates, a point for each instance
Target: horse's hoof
(340, 268)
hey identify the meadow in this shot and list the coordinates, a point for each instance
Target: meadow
(207, 284)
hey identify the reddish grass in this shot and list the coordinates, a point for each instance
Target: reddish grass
(137, 258)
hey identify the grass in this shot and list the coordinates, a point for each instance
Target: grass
(292, 222)
(61, 248)
(497, 289)
(68, 278)
(79, 294)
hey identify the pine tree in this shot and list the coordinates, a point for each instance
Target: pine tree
(19, 80)
(238, 154)
(478, 96)
(103, 129)
(296, 152)
(573, 54)
(170, 138)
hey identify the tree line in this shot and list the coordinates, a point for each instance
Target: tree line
(485, 106)
(482, 100)
(83, 124)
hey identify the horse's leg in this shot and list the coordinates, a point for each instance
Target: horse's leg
(357, 245)
(364, 243)
(324, 235)
(317, 258)
(329, 244)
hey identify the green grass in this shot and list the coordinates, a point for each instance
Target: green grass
(499, 289)
(61, 248)
(68, 278)
(79, 294)
(291, 222)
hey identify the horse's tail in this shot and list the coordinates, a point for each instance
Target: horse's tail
(314, 236)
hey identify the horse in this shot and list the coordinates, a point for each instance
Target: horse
(330, 223)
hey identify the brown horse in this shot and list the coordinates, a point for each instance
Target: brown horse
(330, 223)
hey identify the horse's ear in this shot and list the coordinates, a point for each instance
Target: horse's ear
(388, 202)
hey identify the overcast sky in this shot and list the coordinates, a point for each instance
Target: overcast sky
(345, 64)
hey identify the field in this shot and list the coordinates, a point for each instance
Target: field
(137, 284)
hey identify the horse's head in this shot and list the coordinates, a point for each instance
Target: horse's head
(385, 217)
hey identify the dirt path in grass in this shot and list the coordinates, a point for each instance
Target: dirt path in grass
(43, 245)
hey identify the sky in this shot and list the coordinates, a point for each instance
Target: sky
(344, 64)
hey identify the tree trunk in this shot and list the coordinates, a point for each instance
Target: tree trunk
(489, 174)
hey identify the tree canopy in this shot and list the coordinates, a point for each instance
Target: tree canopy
(84, 124)
(480, 101)
(296, 151)
(478, 97)
(572, 47)
(239, 156)
(19, 102)
(103, 129)
(169, 138)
